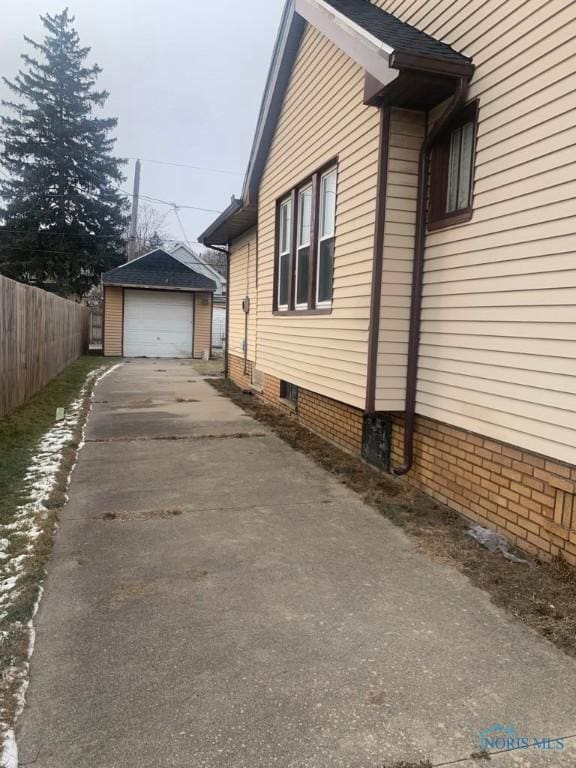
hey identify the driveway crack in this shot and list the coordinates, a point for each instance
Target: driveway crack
(148, 438)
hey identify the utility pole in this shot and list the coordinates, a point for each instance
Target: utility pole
(134, 217)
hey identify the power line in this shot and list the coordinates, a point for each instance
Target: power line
(75, 253)
(187, 165)
(148, 198)
(42, 232)
(40, 250)
(175, 209)
(125, 193)
(166, 202)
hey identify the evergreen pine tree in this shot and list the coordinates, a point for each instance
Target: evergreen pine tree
(64, 219)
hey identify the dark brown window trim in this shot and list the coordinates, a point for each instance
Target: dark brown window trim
(302, 312)
(292, 194)
(438, 217)
(450, 220)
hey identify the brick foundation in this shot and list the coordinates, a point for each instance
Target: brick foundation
(236, 371)
(335, 421)
(528, 498)
(338, 422)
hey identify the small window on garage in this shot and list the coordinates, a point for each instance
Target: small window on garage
(288, 391)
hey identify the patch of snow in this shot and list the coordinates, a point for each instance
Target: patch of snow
(7, 585)
(10, 750)
(39, 482)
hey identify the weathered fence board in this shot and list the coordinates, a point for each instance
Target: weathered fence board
(40, 334)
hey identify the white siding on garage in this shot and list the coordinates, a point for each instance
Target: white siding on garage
(157, 323)
(218, 327)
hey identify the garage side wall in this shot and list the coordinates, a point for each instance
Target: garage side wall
(113, 320)
(202, 324)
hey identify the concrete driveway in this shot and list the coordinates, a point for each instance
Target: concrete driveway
(217, 600)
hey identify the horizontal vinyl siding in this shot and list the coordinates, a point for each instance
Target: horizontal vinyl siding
(405, 138)
(323, 117)
(242, 283)
(113, 320)
(498, 342)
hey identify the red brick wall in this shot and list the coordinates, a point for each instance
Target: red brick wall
(528, 498)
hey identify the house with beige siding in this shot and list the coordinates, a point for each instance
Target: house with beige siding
(403, 253)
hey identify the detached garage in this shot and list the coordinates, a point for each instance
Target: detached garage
(156, 306)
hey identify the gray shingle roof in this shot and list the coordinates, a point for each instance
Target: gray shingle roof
(158, 269)
(393, 32)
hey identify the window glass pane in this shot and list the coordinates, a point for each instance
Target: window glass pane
(283, 265)
(285, 226)
(304, 216)
(453, 170)
(328, 204)
(465, 174)
(325, 267)
(302, 275)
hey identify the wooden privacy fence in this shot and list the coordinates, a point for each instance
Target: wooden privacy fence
(40, 334)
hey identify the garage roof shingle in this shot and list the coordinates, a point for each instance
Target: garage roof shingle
(158, 269)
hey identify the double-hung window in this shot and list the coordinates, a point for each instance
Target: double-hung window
(306, 231)
(284, 252)
(327, 229)
(451, 171)
(303, 247)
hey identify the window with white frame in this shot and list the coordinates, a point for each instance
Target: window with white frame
(303, 247)
(284, 251)
(305, 244)
(326, 233)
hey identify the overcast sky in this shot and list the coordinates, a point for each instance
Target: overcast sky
(185, 80)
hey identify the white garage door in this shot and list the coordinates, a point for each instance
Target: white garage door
(218, 327)
(157, 323)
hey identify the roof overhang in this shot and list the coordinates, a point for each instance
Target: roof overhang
(233, 222)
(394, 76)
(242, 214)
(363, 47)
(155, 287)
